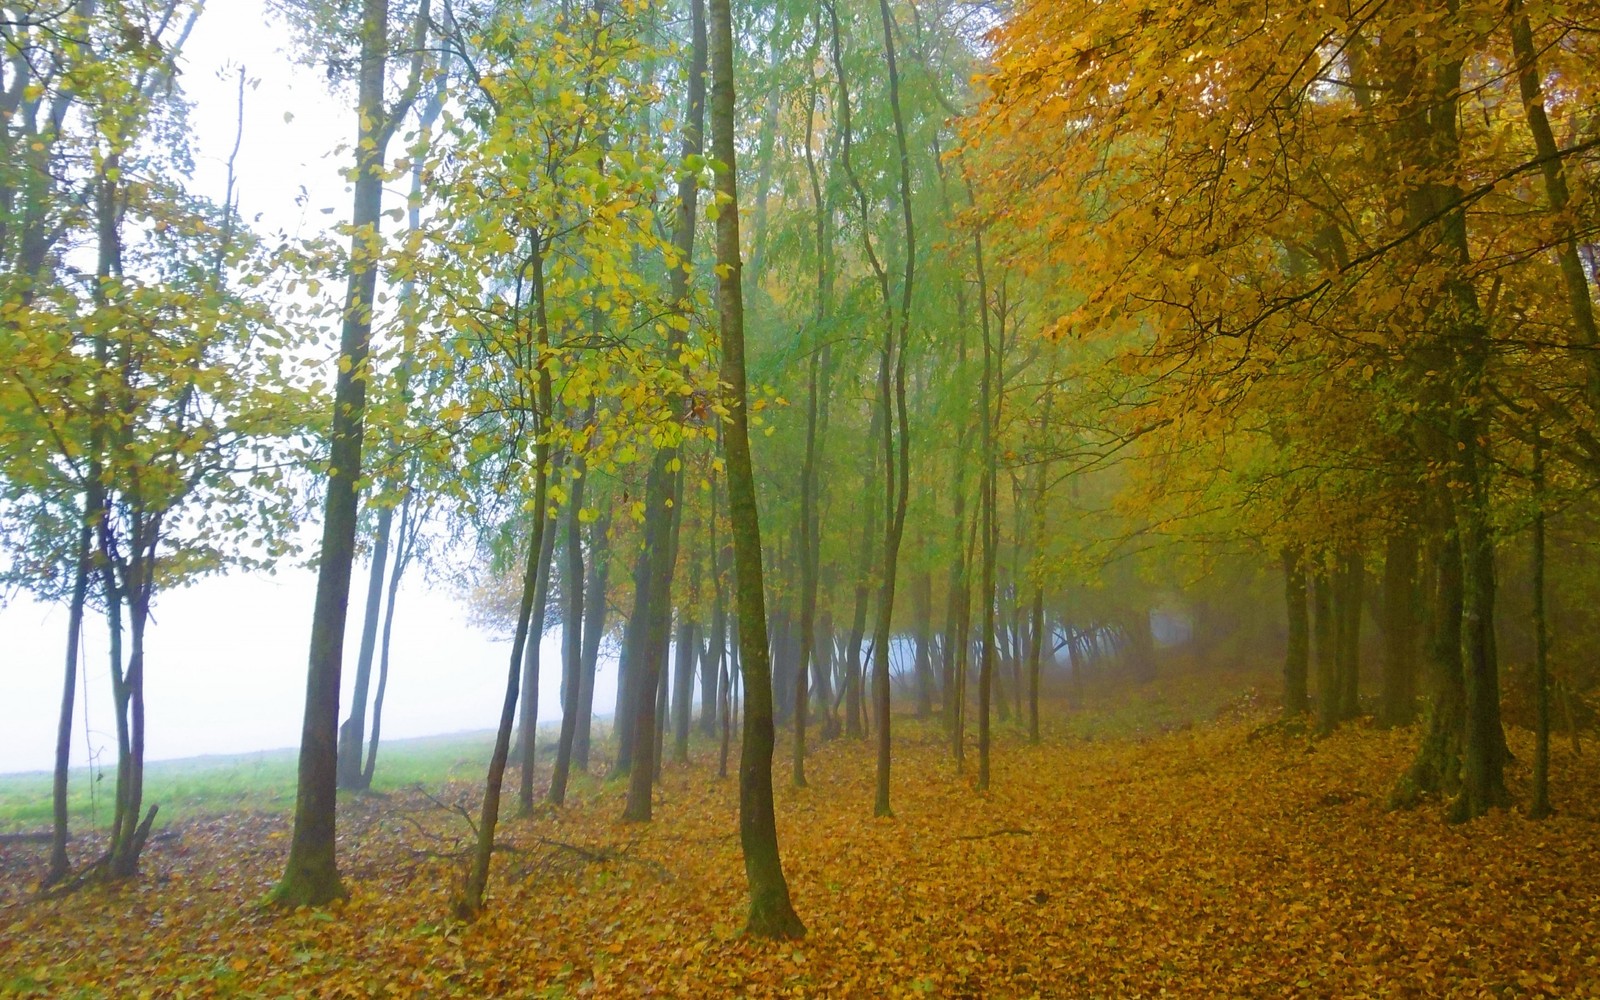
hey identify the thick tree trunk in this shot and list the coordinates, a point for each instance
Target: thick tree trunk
(1436, 769)
(771, 914)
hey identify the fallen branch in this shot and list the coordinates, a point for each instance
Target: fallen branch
(1008, 831)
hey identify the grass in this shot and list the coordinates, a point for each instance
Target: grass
(251, 782)
(264, 781)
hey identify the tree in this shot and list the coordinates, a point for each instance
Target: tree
(771, 914)
(311, 873)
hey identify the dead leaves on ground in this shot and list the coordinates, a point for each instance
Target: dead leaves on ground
(1201, 863)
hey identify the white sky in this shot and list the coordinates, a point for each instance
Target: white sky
(226, 659)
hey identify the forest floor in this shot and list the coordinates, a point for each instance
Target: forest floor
(1218, 858)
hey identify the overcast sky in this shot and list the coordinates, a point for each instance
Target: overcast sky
(226, 661)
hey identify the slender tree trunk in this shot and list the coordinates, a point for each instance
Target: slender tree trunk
(1539, 806)
(892, 391)
(818, 392)
(646, 642)
(724, 658)
(1323, 634)
(683, 664)
(401, 557)
(771, 914)
(858, 624)
(1399, 707)
(528, 717)
(1347, 629)
(572, 585)
(353, 732)
(60, 864)
(987, 497)
(311, 873)
(594, 626)
(470, 903)
(713, 667)
(1297, 657)
(1580, 300)
(922, 602)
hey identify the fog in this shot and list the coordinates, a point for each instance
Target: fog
(226, 672)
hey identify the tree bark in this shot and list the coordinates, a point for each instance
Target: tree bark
(771, 914)
(528, 717)
(401, 557)
(311, 873)
(470, 903)
(1297, 657)
(572, 586)
(1539, 804)
(1347, 632)
(1324, 635)
(1399, 702)
(594, 626)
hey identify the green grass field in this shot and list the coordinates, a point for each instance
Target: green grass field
(262, 781)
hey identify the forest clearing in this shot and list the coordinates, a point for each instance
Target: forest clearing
(1217, 858)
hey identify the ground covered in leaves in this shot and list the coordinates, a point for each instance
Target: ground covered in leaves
(1215, 860)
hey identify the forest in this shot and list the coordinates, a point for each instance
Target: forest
(1084, 497)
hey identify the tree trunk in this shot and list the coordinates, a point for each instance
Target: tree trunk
(1347, 632)
(1399, 702)
(1580, 299)
(683, 663)
(1437, 767)
(60, 865)
(1323, 634)
(401, 557)
(528, 718)
(1296, 659)
(922, 602)
(712, 667)
(771, 914)
(572, 586)
(594, 626)
(1539, 804)
(353, 732)
(470, 904)
(1034, 648)
(311, 873)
